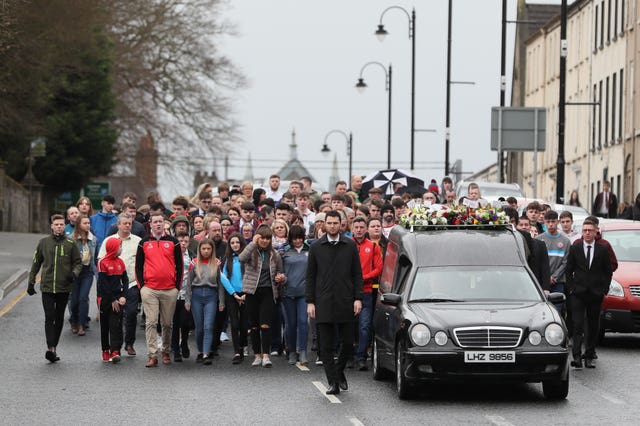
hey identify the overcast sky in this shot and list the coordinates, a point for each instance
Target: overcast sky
(302, 59)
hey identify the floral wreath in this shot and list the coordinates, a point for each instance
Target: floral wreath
(422, 217)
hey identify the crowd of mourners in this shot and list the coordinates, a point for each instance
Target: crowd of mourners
(231, 263)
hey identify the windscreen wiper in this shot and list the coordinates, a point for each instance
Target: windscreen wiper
(434, 300)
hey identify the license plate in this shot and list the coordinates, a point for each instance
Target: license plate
(489, 356)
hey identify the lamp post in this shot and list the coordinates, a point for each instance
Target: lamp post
(361, 86)
(447, 131)
(381, 33)
(349, 139)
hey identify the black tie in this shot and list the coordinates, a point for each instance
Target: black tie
(589, 257)
(333, 243)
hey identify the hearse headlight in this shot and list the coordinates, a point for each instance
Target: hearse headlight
(615, 289)
(441, 338)
(420, 334)
(535, 338)
(554, 334)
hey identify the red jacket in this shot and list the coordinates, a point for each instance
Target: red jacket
(370, 261)
(159, 263)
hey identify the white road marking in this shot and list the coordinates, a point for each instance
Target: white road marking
(612, 398)
(332, 398)
(354, 421)
(498, 420)
(301, 367)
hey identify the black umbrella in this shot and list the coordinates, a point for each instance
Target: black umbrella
(385, 180)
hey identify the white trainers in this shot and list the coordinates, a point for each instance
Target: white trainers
(224, 337)
(245, 351)
(266, 362)
(257, 362)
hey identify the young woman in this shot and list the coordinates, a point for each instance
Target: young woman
(262, 277)
(295, 306)
(259, 194)
(235, 298)
(226, 223)
(280, 231)
(198, 224)
(204, 296)
(85, 207)
(79, 298)
(574, 200)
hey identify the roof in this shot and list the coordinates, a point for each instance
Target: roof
(462, 247)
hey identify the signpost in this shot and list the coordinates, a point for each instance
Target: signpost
(519, 129)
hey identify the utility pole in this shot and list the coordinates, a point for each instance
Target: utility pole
(561, 104)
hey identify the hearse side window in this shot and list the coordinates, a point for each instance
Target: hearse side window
(404, 267)
(389, 269)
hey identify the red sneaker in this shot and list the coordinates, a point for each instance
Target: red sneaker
(106, 356)
(115, 357)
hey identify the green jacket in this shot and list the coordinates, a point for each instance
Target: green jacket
(60, 260)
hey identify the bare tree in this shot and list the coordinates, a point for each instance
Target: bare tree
(170, 77)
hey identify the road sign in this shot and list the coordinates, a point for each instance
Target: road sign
(518, 129)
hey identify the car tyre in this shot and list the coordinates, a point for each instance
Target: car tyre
(556, 390)
(402, 386)
(379, 373)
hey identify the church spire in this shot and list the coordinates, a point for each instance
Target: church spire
(335, 176)
(293, 148)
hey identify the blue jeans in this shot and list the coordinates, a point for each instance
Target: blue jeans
(204, 305)
(79, 297)
(296, 328)
(364, 327)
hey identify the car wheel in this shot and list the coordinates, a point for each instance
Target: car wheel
(555, 389)
(402, 386)
(379, 373)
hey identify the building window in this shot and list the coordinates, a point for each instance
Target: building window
(615, 20)
(606, 112)
(614, 89)
(608, 21)
(593, 123)
(619, 179)
(600, 116)
(622, 22)
(595, 32)
(620, 104)
(601, 24)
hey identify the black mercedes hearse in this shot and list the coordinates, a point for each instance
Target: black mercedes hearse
(459, 304)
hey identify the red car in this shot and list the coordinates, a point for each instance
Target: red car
(621, 306)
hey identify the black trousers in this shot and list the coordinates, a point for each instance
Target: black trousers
(182, 320)
(110, 326)
(585, 311)
(328, 333)
(260, 308)
(238, 321)
(132, 295)
(54, 305)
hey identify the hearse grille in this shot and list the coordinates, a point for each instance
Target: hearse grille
(488, 337)
(635, 290)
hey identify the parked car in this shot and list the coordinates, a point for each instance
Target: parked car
(462, 304)
(621, 306)
(491, 191)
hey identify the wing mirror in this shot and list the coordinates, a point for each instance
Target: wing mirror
(556, 297)
(391, 299)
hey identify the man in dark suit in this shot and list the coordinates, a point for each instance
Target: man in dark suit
(334, 297)
(606, 203)
(588, 275)
(539, 257)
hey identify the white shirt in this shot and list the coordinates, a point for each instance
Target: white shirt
(308, 218)
(603, 206)
(274, 195)
(128, 255)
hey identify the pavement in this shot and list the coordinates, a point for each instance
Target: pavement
(16, 253)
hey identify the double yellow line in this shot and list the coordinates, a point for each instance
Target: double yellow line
(13, 302)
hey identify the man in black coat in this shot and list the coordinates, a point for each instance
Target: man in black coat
(334, 297)
(539, 259)
(588, 276)
(606, 202)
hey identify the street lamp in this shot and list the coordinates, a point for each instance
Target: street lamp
(381, 33)
(349, 139)
(361, 86)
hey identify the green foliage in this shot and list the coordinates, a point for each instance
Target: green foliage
(58, 84)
